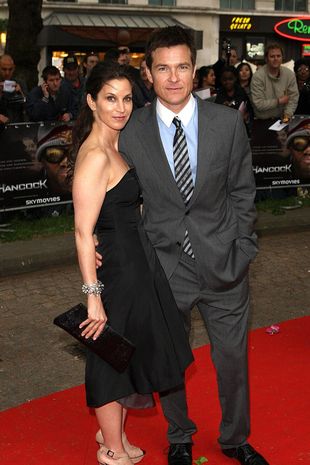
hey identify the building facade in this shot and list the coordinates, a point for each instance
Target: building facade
(81, 26)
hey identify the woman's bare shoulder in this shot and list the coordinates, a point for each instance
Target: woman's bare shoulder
(92, 155)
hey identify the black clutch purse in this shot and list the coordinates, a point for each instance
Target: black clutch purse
(110, 346)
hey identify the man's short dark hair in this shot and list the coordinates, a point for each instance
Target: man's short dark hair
(274, 46)
(90, 54)
(169, 37)
(50, 71)
(112, 54)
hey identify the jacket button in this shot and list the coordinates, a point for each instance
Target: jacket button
(179, 244)
(187, 212)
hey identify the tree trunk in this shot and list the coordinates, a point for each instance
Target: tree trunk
(24, 25)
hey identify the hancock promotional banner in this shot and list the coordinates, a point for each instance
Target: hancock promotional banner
(275, 165)
(34, 165)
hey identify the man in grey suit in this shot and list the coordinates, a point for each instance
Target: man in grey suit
(203, 232)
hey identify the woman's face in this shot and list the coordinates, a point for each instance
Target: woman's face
(228, 80)
(303, 72)
(113, 106)
(244, 73)
(195, 80)
(209, 80)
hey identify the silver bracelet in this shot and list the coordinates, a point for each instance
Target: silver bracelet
(94, 288)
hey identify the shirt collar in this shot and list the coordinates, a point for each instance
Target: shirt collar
(185, 114)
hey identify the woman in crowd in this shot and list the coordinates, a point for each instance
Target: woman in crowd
(244, 74)
(135, 298)
(207, 79)
(302, 72)
(234, 96)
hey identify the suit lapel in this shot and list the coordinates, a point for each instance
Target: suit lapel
(206, 145)
(149, 136)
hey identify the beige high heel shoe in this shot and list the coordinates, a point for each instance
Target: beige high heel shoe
(108, 457)
(135, 453)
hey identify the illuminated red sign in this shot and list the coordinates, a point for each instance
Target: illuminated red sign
(294, 28)
(306, 50)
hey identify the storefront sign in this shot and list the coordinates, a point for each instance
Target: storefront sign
(294, 28)
(240, 23)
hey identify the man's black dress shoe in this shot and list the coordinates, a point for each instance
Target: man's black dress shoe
(180, 454)
(246, 455)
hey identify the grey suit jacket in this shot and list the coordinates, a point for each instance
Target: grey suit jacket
(221, 213)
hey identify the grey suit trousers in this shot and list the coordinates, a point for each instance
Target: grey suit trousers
(225, 314)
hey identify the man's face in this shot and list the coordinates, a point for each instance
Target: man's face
(7, 68)
(91, 62)
(274, 59)
(30, 146)
(124, 58)
(56, 164)
(300, 148)
(143, 74)
(53, 82)
(172, 76)
(71, 74)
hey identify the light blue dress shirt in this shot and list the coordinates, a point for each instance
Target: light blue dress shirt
(189, 118)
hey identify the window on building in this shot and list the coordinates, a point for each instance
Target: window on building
(237, 4)
(115, 2)
(162, 2)
(291, 5)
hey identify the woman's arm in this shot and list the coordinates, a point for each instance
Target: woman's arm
(89, 188)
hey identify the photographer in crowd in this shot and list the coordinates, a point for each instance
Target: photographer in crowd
(51, 101)
(12, 93)
(74, 82)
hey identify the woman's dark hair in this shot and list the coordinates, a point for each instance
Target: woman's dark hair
(99, 76)
(240, 66)
(202, 73)
(169, 37)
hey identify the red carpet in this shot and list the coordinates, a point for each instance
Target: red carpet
(59, 429)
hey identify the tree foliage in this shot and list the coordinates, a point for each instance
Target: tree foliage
(24, 25)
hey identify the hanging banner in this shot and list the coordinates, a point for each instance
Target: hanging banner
(274, 165)
(34, 165)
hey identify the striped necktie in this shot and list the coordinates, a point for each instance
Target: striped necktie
(183, 173)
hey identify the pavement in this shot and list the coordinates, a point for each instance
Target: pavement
(40, 279)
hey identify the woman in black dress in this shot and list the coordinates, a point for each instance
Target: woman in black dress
(135, 298)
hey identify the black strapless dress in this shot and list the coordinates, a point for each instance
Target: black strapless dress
(138, 302)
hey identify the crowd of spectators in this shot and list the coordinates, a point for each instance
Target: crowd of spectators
(272, 91)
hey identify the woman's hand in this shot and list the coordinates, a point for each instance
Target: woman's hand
(98, 255)
(96, 320)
